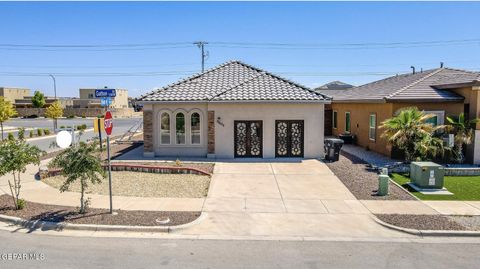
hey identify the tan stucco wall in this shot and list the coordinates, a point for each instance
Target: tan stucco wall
(312, 114)
(174, 150)
(360, 112)
(120, 100)
(359, 118)
(10, 94)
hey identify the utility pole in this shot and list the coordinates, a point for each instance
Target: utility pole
(201, 45)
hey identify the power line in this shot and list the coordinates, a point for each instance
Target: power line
(246, 45)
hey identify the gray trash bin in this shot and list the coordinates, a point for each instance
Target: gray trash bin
(332, 149)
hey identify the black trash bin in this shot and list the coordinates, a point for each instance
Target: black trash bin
(332, 149)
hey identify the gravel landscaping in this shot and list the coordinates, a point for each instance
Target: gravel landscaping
(423, 222)
(139, 184)
(363, 183)
(469, 222)
(54, 213)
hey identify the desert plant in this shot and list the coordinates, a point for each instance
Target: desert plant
(408, 130)
(463, 131)
(46, 131)
(14, 157)
(80, 163)
(39, 132)
(30, 134)
(10, 137)
(6, 112)
(54, 111)
(21, 133)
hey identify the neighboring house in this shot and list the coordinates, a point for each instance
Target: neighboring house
(88, 100)
(330, 89)
(11, 94)
(234, 111)
(442, 91)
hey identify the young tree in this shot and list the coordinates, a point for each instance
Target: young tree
(14, 157)
(38, 101)
(54, 112)
(82, 163)
(409, 130)
(6, 112)
(462, 129)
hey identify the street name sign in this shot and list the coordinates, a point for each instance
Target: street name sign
(105, 93)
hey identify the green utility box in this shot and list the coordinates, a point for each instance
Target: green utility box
(383, 185)
(427, 175)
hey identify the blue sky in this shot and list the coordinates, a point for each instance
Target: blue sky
(88, 23)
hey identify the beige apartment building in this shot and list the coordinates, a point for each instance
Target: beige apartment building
(88, 99)
(11, 94)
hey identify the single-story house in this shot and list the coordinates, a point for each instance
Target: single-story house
(234, 110)
(441, 91)
(326, 89)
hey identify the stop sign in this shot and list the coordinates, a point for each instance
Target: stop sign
(108, 123)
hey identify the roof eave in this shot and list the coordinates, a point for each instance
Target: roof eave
(426, 100)
(379, 100)
(457, 85)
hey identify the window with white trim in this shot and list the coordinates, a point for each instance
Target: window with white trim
(195, 128)
(347, 122)
(372, 126)
(165, 128)
(180, 128)
(438, 119)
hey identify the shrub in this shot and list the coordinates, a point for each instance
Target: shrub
(62, 127)
(21, 133)
(39, 132)
(21, 204)
(10, 137)
(70, 116)
(46, 131)
(30, 134)
(84, 116)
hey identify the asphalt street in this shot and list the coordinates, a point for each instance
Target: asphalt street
(121, 126)
(87, 252)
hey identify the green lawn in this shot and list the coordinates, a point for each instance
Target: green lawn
(463, 188)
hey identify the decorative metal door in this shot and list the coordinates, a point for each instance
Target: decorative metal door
(289, 138)
(248, 139)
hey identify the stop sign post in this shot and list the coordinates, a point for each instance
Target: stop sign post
(108, 124)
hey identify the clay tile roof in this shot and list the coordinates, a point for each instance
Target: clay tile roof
(234, 81)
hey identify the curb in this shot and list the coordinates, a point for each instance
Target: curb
(61, 226)
(423, 233)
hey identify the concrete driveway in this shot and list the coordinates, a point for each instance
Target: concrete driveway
(283, 199)
(293, 187)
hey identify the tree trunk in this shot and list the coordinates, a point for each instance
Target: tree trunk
(1, 125)
(82, 190)
(13, 196)
(17, 191)
(460, 157)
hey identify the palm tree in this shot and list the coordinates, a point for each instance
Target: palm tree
(463, 133)
(410, 132)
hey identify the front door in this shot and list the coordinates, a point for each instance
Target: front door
(248, 139)
(289, 138)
